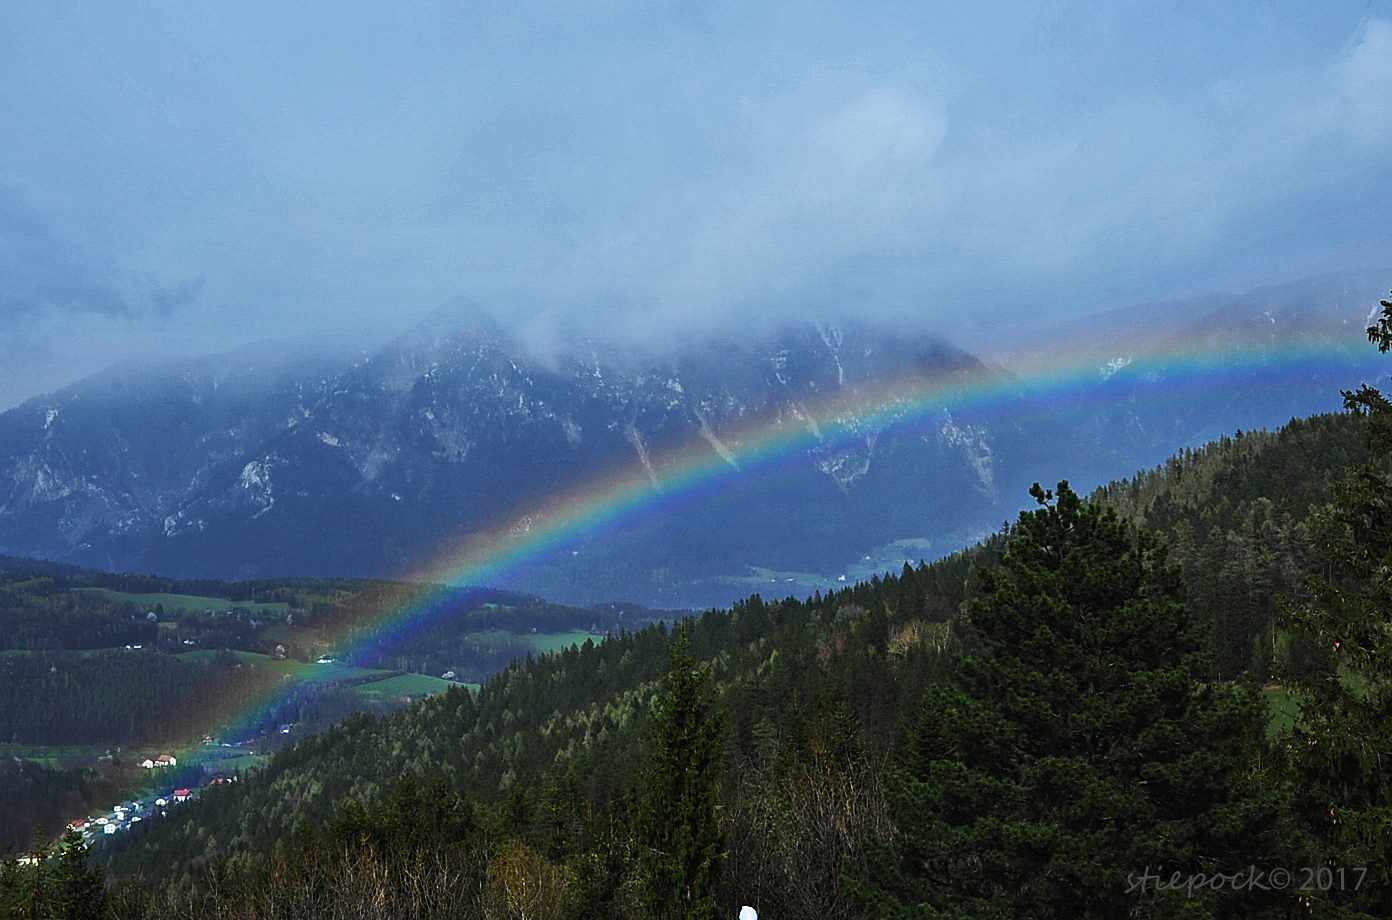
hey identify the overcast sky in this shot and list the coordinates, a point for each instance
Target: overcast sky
(180, 177)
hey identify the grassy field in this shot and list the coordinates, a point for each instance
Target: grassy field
(67, 653)
(388, 684)
(540, 643)
(412, 685)
(85, 755)
(241, 760)
(554, 642)
(296, 669)
(1283, 707)
(176, 602)
(50, 755)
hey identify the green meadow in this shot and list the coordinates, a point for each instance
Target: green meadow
(375, 684)
(555, 642)
(299, 670)
(412, 685)
(540, 643)
(50, 755)
(174, 603)
(1284, 707)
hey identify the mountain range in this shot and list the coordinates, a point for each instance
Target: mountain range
(267, 463)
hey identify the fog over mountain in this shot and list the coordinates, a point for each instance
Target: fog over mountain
(181, 181)
(268, 462)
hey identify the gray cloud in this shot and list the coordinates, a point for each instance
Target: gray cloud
(656, 170)
(65, 315)
(43, 277)
(41, 273)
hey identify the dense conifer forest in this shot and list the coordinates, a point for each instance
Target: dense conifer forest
(1061, 721)
(846, 723)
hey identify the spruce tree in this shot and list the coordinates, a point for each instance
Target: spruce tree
(79, 893)
(1080, 749)
(1341, 748)
(678, 829)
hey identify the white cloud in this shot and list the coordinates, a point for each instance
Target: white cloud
(842, 183)
(647, 168)
(884, 126)
(1363, 78)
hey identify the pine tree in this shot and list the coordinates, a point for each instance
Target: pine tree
(678, 829)
(80, 893)
(1080, 750)
(1341, 748)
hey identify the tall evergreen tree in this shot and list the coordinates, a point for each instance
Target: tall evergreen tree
(1341, 749)
(1080, 750)
(678, 830)
(79, 891)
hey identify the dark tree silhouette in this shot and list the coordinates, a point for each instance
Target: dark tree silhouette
(679, 834)
(1341, 748)
(1080, 749)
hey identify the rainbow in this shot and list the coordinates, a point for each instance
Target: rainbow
(914, 405)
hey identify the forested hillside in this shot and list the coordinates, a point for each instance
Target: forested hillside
(539, 777)
(100, 670)
(1236, 516)
(817, 697)
(574, 722)
(99, 658)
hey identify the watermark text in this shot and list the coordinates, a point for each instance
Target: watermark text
(1250, 879)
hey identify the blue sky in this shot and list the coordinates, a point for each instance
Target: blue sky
(179, 177)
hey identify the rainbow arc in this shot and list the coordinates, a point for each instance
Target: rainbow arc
(716, 461)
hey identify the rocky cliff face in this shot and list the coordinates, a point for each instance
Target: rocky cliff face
(235, 468)
(114, 456)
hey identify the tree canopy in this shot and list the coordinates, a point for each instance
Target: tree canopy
(1341, 747)
(1081, 749)
(679, 833)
